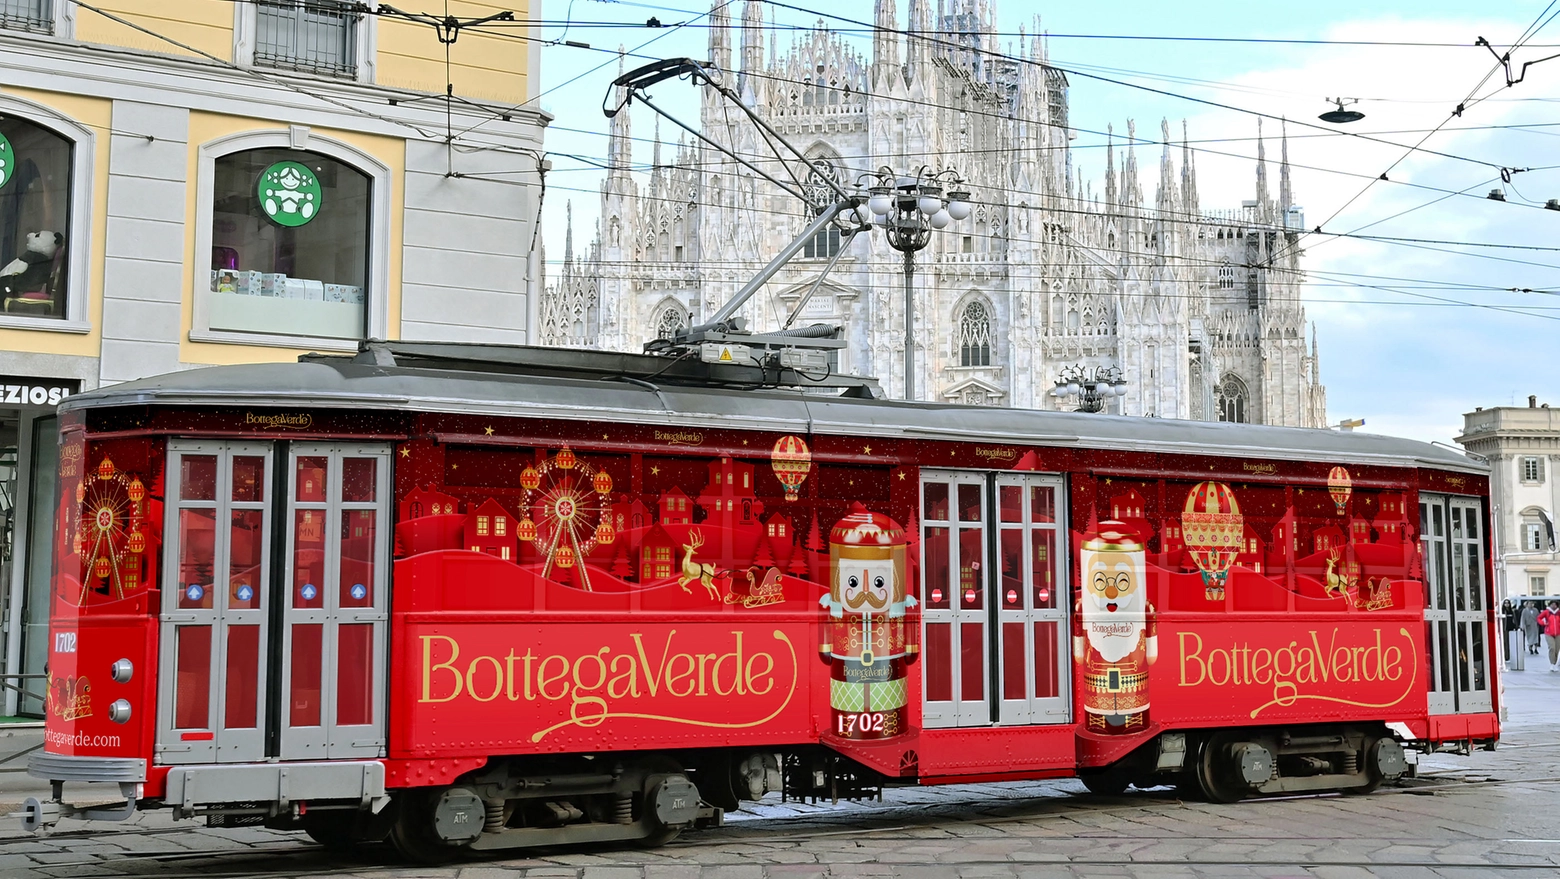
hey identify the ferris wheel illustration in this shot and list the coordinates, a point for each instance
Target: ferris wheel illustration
(568, 499)
(109, 538)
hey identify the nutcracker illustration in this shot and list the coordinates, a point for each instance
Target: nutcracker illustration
(1114, 639)
(868, 638)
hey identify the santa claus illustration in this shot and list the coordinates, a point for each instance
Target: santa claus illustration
(1114, 640)
(866, 636)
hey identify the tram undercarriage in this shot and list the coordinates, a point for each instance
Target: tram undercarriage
(1227, 765)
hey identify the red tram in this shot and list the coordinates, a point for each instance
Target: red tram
(483, 598)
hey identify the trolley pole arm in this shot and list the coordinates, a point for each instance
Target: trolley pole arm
(775, 265)
(640, 78)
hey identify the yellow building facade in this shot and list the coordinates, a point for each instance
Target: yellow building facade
(188, 182)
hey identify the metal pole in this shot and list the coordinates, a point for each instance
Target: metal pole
(909, 324)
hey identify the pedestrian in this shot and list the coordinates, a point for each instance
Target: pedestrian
(1530, 626)
(1549, 624)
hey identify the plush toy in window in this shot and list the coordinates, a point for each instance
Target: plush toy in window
(30, 272)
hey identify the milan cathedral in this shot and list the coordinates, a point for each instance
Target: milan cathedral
(1201, 310)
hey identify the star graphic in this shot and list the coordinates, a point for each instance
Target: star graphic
(603, 436)
(744, 442)
(488, 431)
(406, 451)
(901, 476)
(454, 466)
(655, 471)
(866, 450)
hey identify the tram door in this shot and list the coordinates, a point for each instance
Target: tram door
(994, 609)
(334, 616)
(1452, 535)
(213, 621)
(235, 689)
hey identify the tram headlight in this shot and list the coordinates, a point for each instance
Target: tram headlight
(119, 712)
(121, 671)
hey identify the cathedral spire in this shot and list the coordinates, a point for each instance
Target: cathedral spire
(885, 44)
(1165, 198)
(1188, 175)
(1285, 195)
(1131, 191)
(1110, 166)
(917, 50)
(620, 148)
(1262, 186)
(752, 38)
(568, 235)
(720, 34)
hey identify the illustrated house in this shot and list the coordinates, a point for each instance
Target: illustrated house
(675, 508)
(490, 529)
(1251, 550)
(630, 514)
(1128, 510)
(1392, 520)
(1285, 547)
(1359, 530)
(657, 555)
(420, 502)
(1327, 538)
(728, 498)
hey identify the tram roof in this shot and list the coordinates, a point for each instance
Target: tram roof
(433, 377)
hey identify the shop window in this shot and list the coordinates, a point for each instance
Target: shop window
(290, 244)
(312, 36)
(35, 217)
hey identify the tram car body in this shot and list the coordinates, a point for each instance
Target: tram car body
(466, 599)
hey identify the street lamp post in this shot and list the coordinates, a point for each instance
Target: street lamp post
(909, 207)
(1092, 385)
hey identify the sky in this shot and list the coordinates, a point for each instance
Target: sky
(1412, 334)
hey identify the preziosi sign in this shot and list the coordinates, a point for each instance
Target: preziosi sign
(16, 390)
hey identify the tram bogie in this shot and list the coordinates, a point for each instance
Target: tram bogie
(464, 604)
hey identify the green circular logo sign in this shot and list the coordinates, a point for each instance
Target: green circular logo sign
(289, 193)
(7, 161)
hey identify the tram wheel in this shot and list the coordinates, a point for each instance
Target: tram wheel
(1109, 782)
(659, 837)
(412, 834)
(335, 830)
(1371, 771)
(1215, 771)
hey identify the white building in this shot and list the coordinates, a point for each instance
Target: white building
(1522, 446)
(1200, 309)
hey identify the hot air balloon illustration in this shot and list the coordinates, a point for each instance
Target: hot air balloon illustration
(1340, 486)
(1213, 530)
(792, 461)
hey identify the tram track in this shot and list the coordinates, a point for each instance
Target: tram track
(230, 863)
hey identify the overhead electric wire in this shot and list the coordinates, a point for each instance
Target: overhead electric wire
(1148, 260)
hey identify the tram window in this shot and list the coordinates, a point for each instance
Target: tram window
(289, 244)
(35, 221)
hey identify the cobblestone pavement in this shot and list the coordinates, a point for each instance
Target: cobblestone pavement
(1485, 815)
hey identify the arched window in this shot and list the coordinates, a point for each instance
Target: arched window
(975, 335)
(290, 244)
(1226, 276)
(669, 321)
(35, 220)
(1232, 399)
(826, 243)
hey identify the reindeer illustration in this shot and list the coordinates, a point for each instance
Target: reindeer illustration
(691, 570)
(1339, 584)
